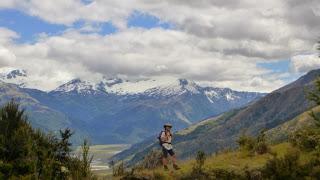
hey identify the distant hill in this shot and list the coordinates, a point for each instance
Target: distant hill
(220, 132)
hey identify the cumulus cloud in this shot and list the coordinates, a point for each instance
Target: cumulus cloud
(217, 41)
(305, 63)
(7, 58)
(135, 53)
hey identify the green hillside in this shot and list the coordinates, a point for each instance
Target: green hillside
(282, 132)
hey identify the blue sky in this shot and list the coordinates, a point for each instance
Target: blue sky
(214, 43)
(29, 27)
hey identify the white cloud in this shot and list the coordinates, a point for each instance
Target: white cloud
(134, 53)
(7, 58)
(7, 35)
(305, 63)
(217, 41)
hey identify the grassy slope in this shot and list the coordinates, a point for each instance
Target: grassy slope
(233, 160)
(236, 160)
(283, 131)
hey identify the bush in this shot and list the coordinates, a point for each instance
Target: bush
(152, 160)
(200, 160)
(31, 154)
(307, 139)
(253, 145)
(223, 174)
(119, 170)
(261, 146)
(286, 167)
(246, 143)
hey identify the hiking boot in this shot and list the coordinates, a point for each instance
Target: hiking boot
(176, 167)
(165, 167)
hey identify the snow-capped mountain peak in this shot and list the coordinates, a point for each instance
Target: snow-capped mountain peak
(16, 73)
(11, 73)
(150, 87)
(111, 81)
(77, 85)
(14, 76)
(157, 86)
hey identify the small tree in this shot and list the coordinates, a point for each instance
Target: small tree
(261, 146)
(112, 164)
(246, 143)
(200, 160)
(252, 145)
(26, 153)
(119, 170)
(86, 159)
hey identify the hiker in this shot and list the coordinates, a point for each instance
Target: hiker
(165, 139)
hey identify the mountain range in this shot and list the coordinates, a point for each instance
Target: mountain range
(114, 110)
(280, 110)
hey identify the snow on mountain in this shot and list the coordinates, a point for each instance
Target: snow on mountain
(160, 86)
(14, 76)
(148, 87)
(140, 86)
(79, 86)
(176, 87)
(21, 78)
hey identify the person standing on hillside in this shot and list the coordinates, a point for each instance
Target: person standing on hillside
(165, 139)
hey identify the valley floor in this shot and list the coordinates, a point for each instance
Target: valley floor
(101, 155)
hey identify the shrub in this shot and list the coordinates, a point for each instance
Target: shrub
(152, 160)
(286, 167)
(119, 170)
(223, 174)
(307, 139)
(261, 146)
(200, 160)
(253, 145)
(32, 154)
(246, 143)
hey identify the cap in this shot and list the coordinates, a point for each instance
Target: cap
(167, 125)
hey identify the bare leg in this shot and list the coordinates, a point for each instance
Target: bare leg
(164, 161)
(174, 159)
(174, 162)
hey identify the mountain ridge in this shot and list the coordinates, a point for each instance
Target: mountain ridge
(120, 111)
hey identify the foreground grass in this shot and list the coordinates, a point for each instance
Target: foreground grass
(235, 161)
